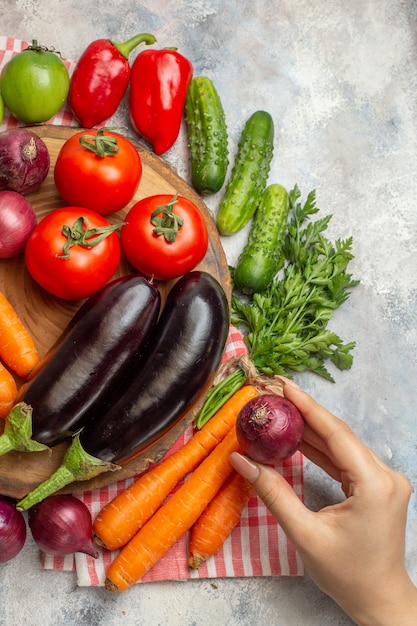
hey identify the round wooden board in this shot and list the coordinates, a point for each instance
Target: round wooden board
(46, 316)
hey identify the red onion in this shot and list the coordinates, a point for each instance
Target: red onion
(17, 220)
(62, 524)
(24, 160)
(269, 429)
(12, 530)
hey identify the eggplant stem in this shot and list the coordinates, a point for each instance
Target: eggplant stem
(77, 464)
(18, 431)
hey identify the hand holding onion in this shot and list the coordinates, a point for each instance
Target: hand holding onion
(353, 549)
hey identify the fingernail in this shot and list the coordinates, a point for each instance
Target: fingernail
(245, 467)
(287, 381)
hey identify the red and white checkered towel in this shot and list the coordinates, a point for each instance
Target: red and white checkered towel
(256, 547)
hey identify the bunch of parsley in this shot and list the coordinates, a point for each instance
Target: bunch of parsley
(286, 327)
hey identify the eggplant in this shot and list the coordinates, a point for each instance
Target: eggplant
(182, 358)
(102, 344)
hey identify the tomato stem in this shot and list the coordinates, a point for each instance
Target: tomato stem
(102, 145)
(166, 222)
(80, 235)
(38, 48)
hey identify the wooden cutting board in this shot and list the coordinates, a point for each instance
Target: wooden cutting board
(46, 316)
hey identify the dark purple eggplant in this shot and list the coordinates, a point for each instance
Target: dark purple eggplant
(182, 358)
(101, 345)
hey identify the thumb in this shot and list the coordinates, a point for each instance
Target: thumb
(277, 495)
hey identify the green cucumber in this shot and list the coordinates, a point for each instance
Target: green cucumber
(207, 136)
(249, 175)
(262, 257)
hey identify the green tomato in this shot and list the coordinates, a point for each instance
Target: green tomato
(34, 84)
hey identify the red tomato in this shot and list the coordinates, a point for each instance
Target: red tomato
(79, 271)
(152, 253)
(104, 184)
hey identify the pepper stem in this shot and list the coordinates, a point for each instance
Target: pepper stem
(126, 47)
(77, 464)
(18, 431)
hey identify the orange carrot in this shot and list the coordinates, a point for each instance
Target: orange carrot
(8, 391)
(218, 519)
(172, 520)
(17, 348)
(121, 518)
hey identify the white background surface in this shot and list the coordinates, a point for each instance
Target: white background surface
(339, 79)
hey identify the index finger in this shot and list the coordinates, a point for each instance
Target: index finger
(334, 437)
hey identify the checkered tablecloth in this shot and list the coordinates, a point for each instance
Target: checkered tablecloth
(256, 547)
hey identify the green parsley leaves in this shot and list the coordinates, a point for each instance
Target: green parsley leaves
(286, 327)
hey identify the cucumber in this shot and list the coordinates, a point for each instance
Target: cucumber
(249, 175)
(207, 136)
(262, 257)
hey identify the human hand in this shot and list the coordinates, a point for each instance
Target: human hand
(353, 550)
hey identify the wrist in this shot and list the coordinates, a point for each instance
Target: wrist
(396, 605)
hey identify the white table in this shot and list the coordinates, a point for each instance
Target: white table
(340, 81)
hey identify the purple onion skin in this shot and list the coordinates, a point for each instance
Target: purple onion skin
(269, 429)
(17, 221)
(12, 530)
(24, 160)
(62, 524)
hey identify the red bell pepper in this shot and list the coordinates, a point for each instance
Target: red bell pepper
(158, 87)
(101, 77)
